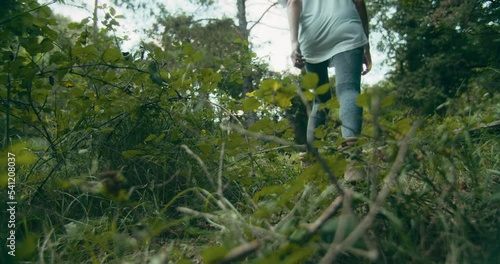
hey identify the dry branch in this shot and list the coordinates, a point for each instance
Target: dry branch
(495, 125)
(241, 251)
(330, 210)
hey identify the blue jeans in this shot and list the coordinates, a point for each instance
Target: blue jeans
(348, 66)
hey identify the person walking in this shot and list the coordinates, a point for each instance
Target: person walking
(333, 33)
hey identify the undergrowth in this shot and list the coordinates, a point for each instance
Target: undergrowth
(443, 206)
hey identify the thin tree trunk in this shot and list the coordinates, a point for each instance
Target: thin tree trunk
(95, 19)
(247, 80)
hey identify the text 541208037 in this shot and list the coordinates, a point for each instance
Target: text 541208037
(11, 204)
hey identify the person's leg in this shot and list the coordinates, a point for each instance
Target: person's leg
(318, 117)
(348, 67)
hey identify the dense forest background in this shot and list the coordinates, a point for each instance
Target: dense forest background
(186, 148)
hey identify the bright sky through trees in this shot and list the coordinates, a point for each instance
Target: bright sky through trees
(270, 36)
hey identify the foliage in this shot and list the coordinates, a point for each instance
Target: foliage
(440, 49)
(145, 157)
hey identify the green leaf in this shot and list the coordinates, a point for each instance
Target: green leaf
(86, 52)
(362, 100)
(112, 55)
(270, 85)
(310, 80)
(156, 79)
(323, 89)
(46, 45)
(197, 56)
(205, 147)
(150, 137)
(338, 164)
(188, 49)
(332, 104)
(276, 189)
(67, 84)
(23, 155)
(74, 25)
(44, 11)
(403, 126)
(32, 46)
(264, 125)
(250, 104)
(283, 100)
(49, 33)
(112, 11)
(58, 58)
(131, 153)
(214, 254)
(309, 95)
(107, 129)
(387, 101)
(164, 75)
(110, 76)
(39, 22)
(160, 137)
(27, 247)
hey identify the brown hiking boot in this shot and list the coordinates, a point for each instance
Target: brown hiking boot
(354, 172)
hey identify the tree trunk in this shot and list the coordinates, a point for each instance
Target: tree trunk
(247, 79)
(95, 31)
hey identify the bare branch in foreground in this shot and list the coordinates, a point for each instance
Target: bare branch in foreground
(330, 210)
(370, 254)
(335, 249)
(241, 251)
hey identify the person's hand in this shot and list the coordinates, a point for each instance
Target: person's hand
(367, 60)
(297, 58)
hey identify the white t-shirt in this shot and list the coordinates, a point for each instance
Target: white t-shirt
(329, 27)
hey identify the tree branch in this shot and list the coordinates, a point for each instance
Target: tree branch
(329, 211)
(262, 16)
(240, 251)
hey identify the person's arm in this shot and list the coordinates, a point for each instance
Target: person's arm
(361, 7)
(294, 11)
(363, 15)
